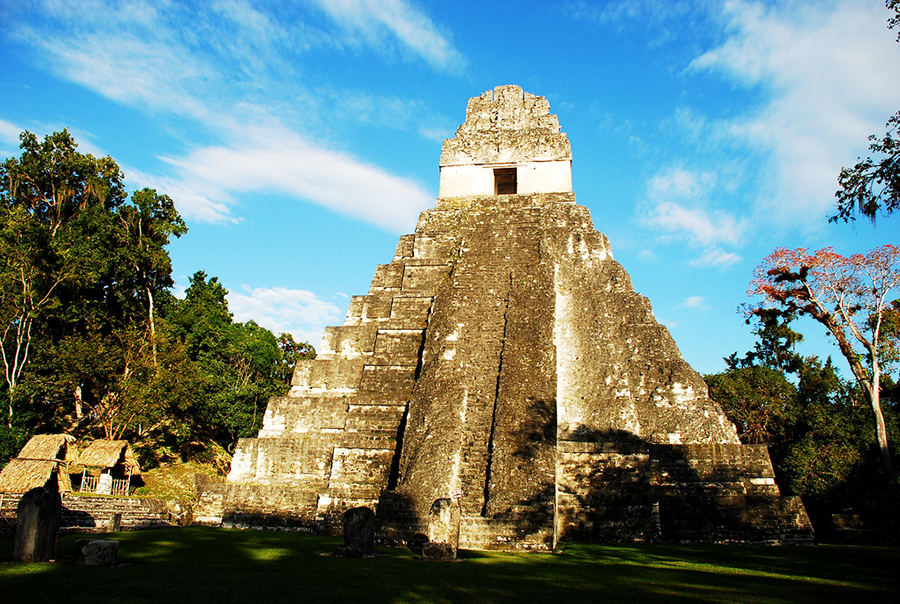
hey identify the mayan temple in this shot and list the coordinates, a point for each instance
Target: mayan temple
(502, 375)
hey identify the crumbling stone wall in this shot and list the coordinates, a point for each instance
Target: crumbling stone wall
(507, 128)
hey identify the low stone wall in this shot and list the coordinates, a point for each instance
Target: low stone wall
(88, 513)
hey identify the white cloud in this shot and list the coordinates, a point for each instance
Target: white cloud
(717, 258)
(208, 180)
(677, 208)
(370, 18)
(9, 133)
(279, 309)
(677, 198)
(700, 226)
(391, 112)
(832, 77)
(694, 302)
(681, 183)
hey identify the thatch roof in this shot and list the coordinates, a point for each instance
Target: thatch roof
(22, 475)
(108, 454)
(49, 446)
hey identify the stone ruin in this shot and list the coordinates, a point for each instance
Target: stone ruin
(502, 376)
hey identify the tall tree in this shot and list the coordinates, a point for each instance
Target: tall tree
(146, 226)
(82, 267)
(759, 400)
(49, 188)
(849, 296)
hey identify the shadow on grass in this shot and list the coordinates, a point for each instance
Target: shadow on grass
(200, 565)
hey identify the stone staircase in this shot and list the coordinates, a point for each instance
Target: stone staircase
(88, 513)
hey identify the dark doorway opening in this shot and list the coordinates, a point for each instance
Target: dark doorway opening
(504, 181)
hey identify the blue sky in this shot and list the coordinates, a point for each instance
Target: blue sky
(300, 139)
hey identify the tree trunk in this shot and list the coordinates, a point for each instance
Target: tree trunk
(79, 405)
(152, 326)
(880, 428)
(872, 388)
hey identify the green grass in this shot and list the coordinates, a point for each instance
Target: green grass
(198, 565)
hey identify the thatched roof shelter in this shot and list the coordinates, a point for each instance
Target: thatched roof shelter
(49, 446)
(108, 454)
(43, 461)
(22, 475)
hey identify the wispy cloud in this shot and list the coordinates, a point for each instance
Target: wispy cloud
(715, 257)
(9, 133)
(664, 19)
(163, 58)
(279, 309)
(379, 21)
(677, 207)
(831, 76)
(702, 227)
(208, 181)
(390, 112)
(694, 302)
(9, 138)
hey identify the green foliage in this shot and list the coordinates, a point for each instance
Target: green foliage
(92, 339)
(872, 186)
(291, 353)
(11, 442)
(241, 364)
(818, 426)
(759, 400)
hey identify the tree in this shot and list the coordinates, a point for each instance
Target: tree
(759, 400)
(872, 186)
(775, 348)
(82, 270)
(146, 227)
(292, 352)
(242, 364)
(50, 188)
(848, 295)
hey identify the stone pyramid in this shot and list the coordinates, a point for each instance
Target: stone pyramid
(502, 376)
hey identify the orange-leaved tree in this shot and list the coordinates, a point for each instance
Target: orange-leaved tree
(849, 296)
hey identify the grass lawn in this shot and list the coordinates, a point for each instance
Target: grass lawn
(199, 564)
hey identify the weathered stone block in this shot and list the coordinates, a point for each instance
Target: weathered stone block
(374, 418)
(387, 276)
(409, 308)
(359, 530)
(386, 384)
(438, 552)
(405, 247)
(371, 307)
(37, 525)
(355, 469)
(349, 341)
(398, 347)
(96, 552)
(424, 278)
(325, 374)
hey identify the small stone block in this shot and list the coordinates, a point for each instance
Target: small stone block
(438, 552)
(96, 552)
